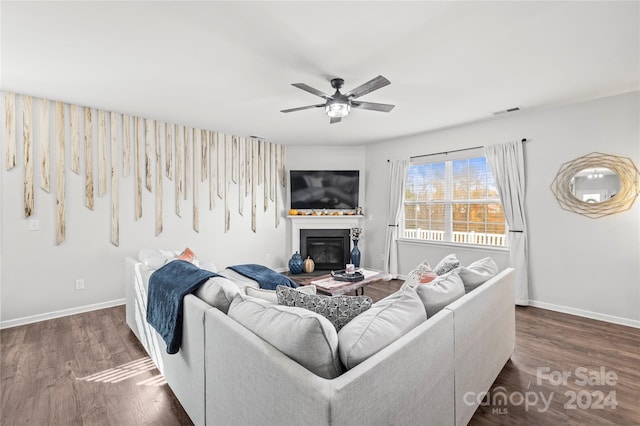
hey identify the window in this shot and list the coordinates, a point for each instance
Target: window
(455, 201)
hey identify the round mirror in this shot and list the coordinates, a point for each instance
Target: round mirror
(595, 184)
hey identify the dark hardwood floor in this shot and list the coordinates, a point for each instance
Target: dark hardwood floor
(89, 369)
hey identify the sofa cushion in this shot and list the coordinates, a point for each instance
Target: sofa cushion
(421, 274)
(337, 309)
(304, 336)
(448, 263)
(271, 296)
(477, 273)
(440, 292)
(375, 329)
(218, 292)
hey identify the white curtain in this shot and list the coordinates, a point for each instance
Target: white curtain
(507, 165)
(397, 174)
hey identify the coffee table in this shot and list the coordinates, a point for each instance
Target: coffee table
(325, 284)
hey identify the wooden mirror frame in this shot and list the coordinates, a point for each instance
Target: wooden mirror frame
(622, 201)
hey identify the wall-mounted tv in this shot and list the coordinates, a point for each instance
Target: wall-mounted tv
(324, 189)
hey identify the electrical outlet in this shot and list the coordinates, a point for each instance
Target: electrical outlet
(80, 284)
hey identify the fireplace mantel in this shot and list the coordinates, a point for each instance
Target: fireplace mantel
(320, 222)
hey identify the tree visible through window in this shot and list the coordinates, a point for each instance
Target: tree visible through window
(455, 201)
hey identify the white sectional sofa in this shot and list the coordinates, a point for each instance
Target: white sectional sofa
(224, 374)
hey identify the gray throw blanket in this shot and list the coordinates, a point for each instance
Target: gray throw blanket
(267, 278)
(167, 288)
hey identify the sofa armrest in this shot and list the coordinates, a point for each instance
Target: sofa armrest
(410, 382)
(250, 382)
(484, 322)
(183, 371)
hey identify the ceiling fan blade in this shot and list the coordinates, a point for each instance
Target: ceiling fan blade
(301, 108)
(310, 89)
(373, 106)
(369, 86)
(335, 120)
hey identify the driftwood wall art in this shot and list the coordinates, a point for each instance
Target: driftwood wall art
(196, 190)
(168, 157)
(27, 114)
(115, 183)
(213, 171)
(10, 129)
(44, 145)
(136, 165)
(102, 153)
(88, 158)
(126, 145)
(74, 133)
(60, 175)
(178, 168)
(183, 155)
(159, 174)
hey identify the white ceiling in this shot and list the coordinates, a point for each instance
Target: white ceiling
(228, 66)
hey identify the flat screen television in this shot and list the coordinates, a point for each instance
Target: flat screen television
(324, 189)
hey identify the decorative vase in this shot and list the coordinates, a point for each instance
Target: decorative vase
(355, 254)
(295, 263)
(308, 265)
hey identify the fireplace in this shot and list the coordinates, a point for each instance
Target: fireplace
(329, 248)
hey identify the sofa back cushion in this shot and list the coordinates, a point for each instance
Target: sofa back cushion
(385, 322)
(477, 273)
(440, 292)
(304, 336)
(218, 292)
(271, 296)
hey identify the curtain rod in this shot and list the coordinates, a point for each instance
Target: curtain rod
(449, 152)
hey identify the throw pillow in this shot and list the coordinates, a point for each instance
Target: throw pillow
(448, 263)
(270, 295)
(337, 309)
(383, 324)
(304, 336)
(189, 256)
(440, 292)
(154, 258)
(421, 274)
(218, 292)
(477, 273)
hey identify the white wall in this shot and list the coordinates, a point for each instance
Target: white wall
(579, 265)
(585, 266)
(38, 277)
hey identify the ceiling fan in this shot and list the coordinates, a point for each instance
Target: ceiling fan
(339, 105)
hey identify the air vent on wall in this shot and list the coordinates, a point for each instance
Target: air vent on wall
(514, 109)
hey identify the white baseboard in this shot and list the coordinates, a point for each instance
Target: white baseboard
(57, 314)
(585, 314)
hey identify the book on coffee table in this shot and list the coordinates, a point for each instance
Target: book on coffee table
(329, 283)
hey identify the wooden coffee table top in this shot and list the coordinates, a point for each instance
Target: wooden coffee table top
(327, 285)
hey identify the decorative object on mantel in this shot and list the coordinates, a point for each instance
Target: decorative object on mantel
(593, 199)
(295, 263)
(355, 251)
(308, 265)
(191, 156)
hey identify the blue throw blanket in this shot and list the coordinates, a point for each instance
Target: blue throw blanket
(267, 278)
(167, 288)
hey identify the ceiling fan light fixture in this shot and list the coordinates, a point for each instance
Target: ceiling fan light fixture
(337, 109)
